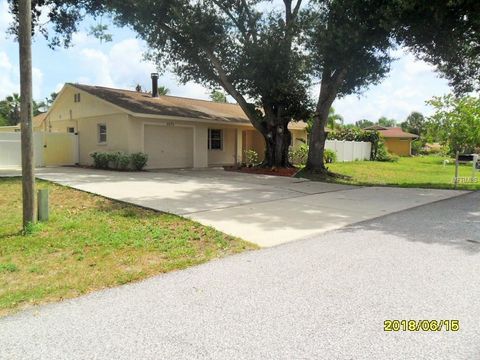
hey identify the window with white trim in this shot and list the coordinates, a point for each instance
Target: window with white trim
(215, 139)
(71, 130)
(102, 133)
(76, 97)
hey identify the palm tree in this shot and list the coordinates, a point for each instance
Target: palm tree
(11, 107)
(334, 119)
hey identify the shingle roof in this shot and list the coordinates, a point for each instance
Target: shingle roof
(396, 132)
(144, 103)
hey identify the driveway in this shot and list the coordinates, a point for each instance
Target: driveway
(266, 210)
(321, 298)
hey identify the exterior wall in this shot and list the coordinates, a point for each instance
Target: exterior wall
(226, 156)
(84, 117)
(202, 157)
(401, 147)
(87, 129)
(253, 140)
(299, 137)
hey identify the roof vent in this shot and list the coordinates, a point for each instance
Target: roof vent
(154, 85)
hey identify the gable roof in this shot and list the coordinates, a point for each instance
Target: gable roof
(144, 103)
(392, 132)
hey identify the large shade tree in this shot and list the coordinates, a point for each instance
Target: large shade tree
(253, 54)
(351, 42)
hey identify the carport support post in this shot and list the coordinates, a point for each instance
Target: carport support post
(25, 52)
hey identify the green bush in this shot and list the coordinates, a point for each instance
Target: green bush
(139, 160)
(252, 157)
(298, 155)
(383, 154)
(329, 156)
(100, 160)
(120, 160)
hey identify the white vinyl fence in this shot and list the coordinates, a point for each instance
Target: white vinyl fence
(349, 150)
(49, 149)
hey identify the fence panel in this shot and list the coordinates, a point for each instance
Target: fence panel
(49, 149)
(349, 150)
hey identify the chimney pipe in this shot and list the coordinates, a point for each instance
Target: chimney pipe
(154, 85)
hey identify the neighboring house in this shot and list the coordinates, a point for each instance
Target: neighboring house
(397, 141)
(175, 132)
(39, 124)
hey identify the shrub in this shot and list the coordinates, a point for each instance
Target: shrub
(120, 160)
(329, 156)
(252, 157)
(100, 160)
(384, 155)
(298, 155)
(139, 160)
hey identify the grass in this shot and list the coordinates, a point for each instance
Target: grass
(421, 171)
(92, 243)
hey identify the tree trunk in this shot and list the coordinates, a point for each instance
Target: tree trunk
(25, 47)
(277, 142)
(328, 92)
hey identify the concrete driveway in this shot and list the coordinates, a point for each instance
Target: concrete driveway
(262, 209)
(326, 297)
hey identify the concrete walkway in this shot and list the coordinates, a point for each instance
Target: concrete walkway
(266, 210)
(322, 298)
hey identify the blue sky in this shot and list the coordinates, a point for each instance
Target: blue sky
(120, 64)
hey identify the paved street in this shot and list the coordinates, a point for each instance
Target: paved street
(248, 205)
(325, 297)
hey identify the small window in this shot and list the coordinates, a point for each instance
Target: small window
(102, 133)
(71, 130)
(215, 139)
(76, 97)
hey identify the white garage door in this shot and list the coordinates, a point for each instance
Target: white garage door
(168, 146)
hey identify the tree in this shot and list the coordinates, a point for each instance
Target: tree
(10, 109)
(445, 34)
(386, 122)
(334, 120)
(163, 90)
(415, 123)
(218, 96)
(26, 114)
(348, 42)
(351, 42)
(252, 52)
(363, 123)
(456, 122)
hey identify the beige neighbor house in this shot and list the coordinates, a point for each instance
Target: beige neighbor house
(397, 141)
(175, 132)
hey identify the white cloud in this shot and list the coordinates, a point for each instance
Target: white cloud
(123, 66)
(8, 76)
(410, 83)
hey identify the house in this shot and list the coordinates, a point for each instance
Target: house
(175, 132)
(39, 124)
(396, 140)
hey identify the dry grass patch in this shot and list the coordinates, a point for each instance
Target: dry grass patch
(91, 243)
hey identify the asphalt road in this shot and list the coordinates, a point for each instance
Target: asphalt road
(321, 298)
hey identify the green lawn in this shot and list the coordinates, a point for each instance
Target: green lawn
(422, 171)
(92, 243)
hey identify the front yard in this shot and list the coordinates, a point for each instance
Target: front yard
(91, 243)
(421, 171)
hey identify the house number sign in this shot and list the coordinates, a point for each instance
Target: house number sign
(170, 123)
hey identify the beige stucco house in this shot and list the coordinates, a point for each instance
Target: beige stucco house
(175, 132)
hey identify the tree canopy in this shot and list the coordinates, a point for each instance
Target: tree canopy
(266, 57)
(218, 96)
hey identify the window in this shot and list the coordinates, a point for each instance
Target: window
(102, 133)
(76, 97)
(215, 139)
(71, 130)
